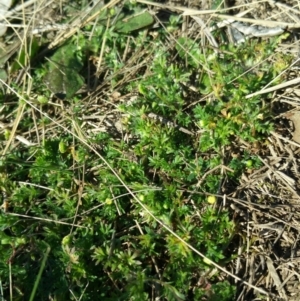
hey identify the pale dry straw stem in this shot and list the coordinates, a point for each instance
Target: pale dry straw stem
(113, 199)
(152, 258)
(24, 43)
(10, 281)
(267, 23)
(36, 126)
(275, 277)
(255, 66)
(27, 47)
(74, 296)
(252, 207)
(186, 50)
(286, 139)
(18, 137)
(141, 204)
(12, 49)
(207, 32)
(46, 220)
(282, 72)
(277, 87)
(190, 11)
(79, 201)
(286, 13)
(102, 47)
(36, 185)
(287, 9)
(289, 182)
(20, 112)
(228, 22)
(216, 13)
(20, 7)
(80, 22)
(1, 288)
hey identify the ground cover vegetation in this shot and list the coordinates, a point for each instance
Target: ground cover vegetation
(150, 107)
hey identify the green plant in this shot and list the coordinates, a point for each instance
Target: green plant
(102, 242)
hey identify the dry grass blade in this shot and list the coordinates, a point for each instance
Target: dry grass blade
(166, 227)
(275, 88)
(286, 139)
(120, 163)
(14, 128)
(80, 22)
(216, 13)
(258, 22)
(47, 220)
(276, 278)
(207, 32)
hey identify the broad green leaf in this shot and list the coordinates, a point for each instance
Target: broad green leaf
(135, 22)
(3, 75)
(126, 22)
(62, 77)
